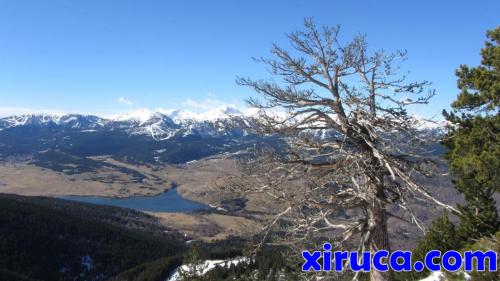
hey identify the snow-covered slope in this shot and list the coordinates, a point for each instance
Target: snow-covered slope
(179, 116)
(165, 123)
(141, 116)
(76, 121)
(166, 136)
(204, 267)
(160, 124)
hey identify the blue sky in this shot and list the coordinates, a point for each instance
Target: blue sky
(106, 57)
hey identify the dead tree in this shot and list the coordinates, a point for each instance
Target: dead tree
(343, 113)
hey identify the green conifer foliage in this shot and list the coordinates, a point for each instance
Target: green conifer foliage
(474, 154)
(441, 236)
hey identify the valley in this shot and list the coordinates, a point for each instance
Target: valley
(200, 181)
(124, 163)
(249, 141)
(197, 181)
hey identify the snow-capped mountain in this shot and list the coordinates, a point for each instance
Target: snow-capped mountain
(165, 136)
(165, 123)
(55, 119)
(180, 116)
(171, 136)
(160, 124)
(146, 122)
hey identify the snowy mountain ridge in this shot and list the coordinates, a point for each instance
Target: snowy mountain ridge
(160, 124)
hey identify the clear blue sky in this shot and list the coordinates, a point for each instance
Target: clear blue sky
(83, 56)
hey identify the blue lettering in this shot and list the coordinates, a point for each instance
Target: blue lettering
(480, 257)
(405, 256)
(377, 260)
(429, 260)
(311, 261)
(365, 261)
(327, 257)
(446, 261)
(339, 260)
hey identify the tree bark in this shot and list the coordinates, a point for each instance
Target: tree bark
(379, 238)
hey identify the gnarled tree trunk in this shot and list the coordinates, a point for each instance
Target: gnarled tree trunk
(379, 238)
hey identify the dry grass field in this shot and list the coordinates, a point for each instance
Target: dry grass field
(24, 179)
(195, 181)
(209, 227)
(199, 181)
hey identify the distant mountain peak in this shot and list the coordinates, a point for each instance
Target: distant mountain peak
(219, 113)
(140, 115)
(179, 115)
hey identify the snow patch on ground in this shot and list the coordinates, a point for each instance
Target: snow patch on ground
(435, 276)
(438, 275)
(217, 208)
(205, 267)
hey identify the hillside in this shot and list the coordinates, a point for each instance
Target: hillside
(50, 239)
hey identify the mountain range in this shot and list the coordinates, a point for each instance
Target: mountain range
(160, 125)
(145, 136)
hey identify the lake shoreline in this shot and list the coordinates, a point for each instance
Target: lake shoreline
(168, 201)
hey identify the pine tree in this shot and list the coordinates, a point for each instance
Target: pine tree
(194, 265)
(441, 236)
(474, 154)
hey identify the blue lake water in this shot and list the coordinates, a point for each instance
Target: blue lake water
(169, 201)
